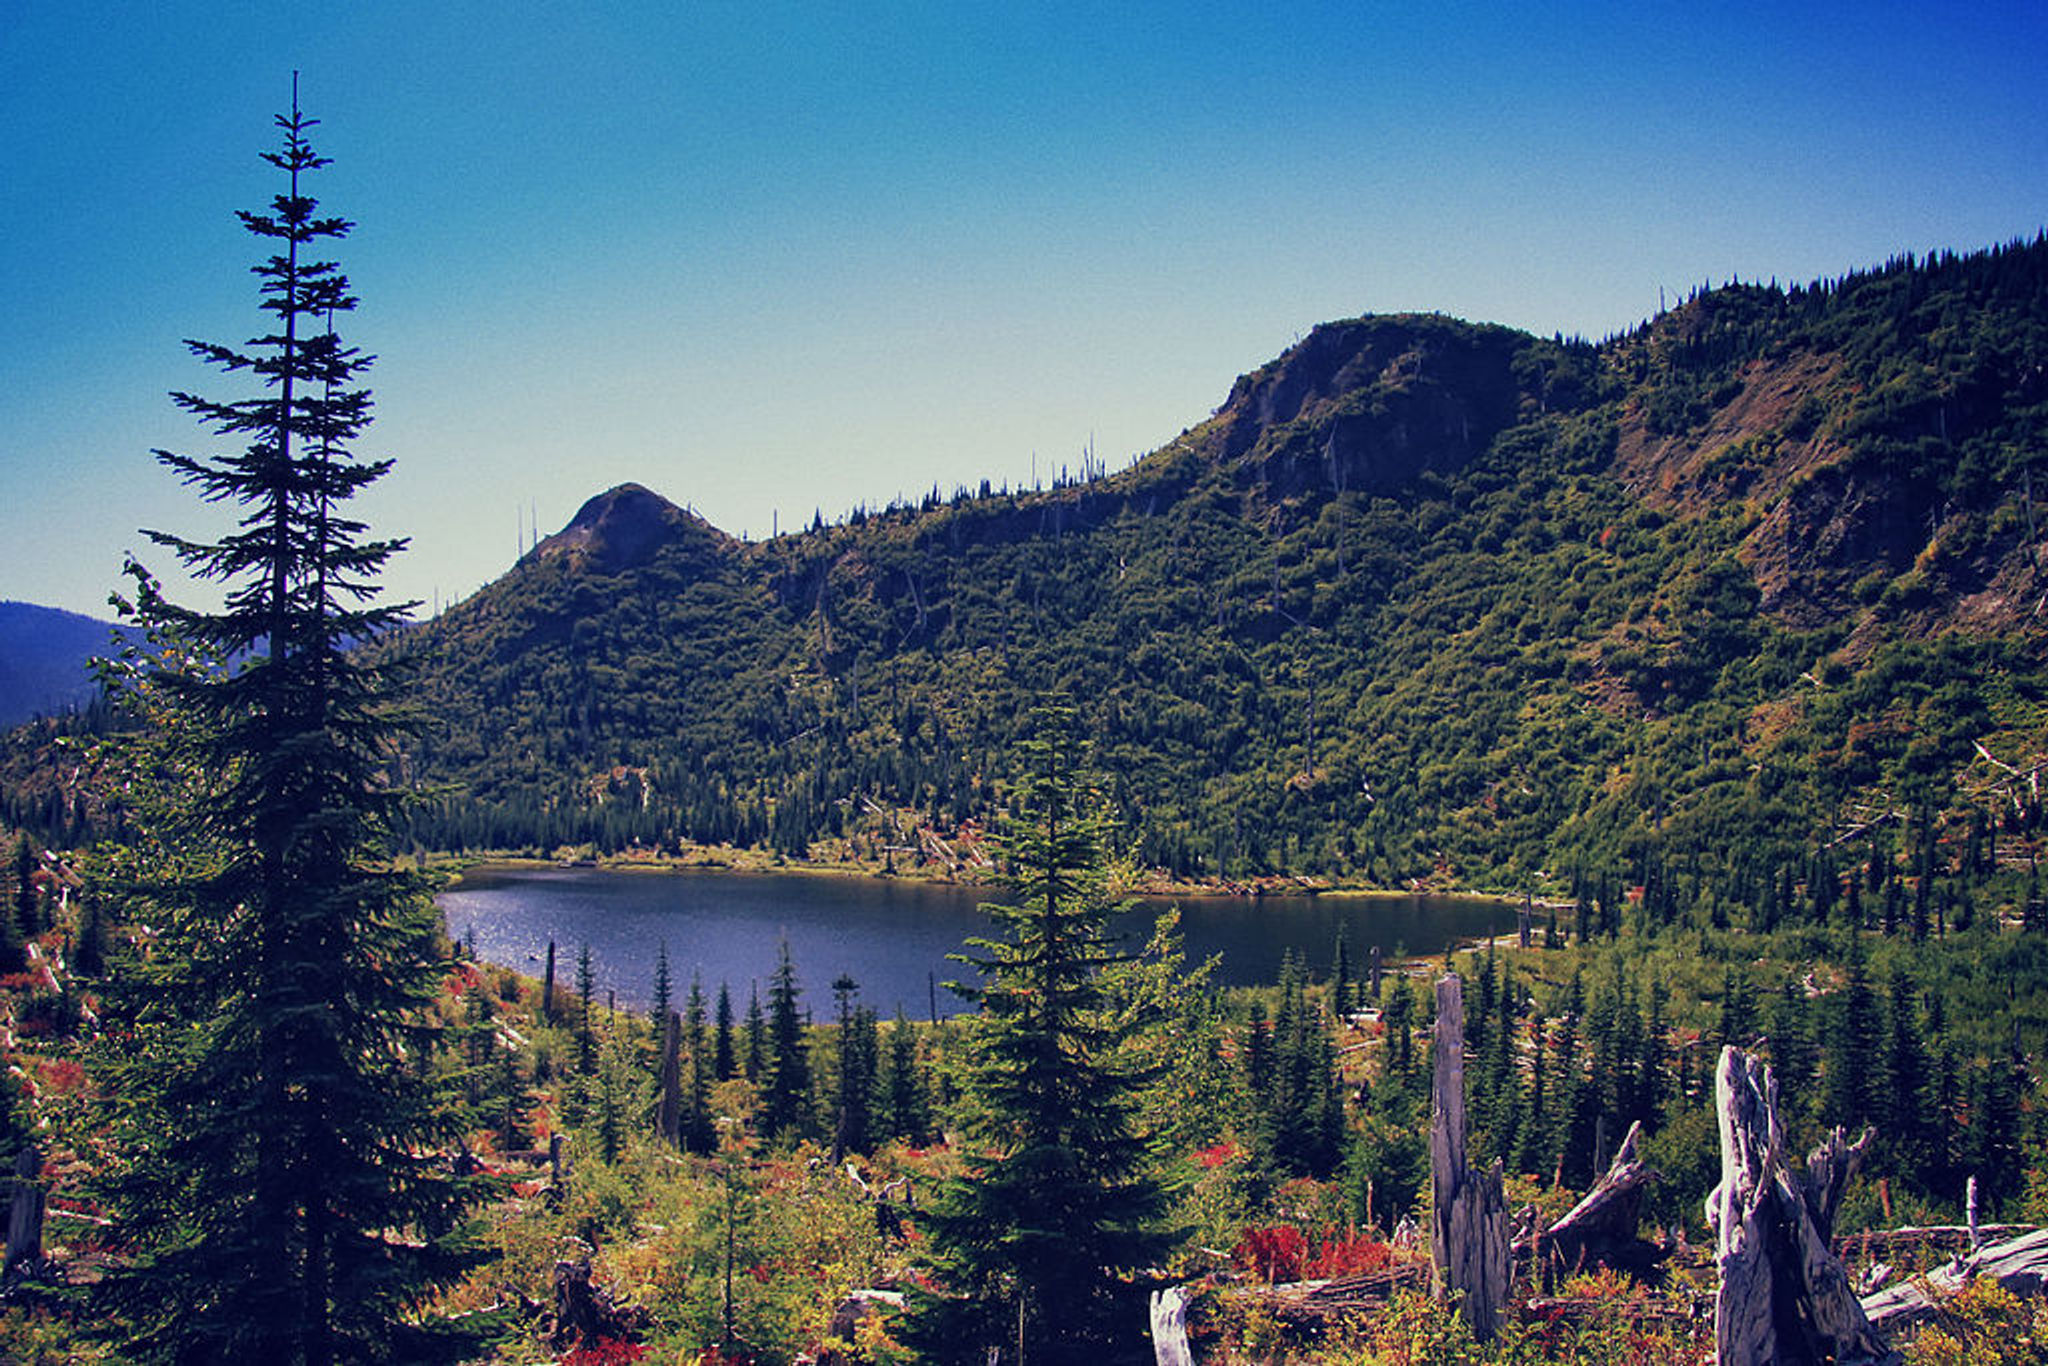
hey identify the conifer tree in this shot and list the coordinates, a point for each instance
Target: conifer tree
(699, 1133)
(1030, 1252)
(1340, 975)
(903, 1087)
(280, 1189)
(13, 938)
(1909, 1127)
(756, 1057)
(722, 1057)
(1855, 1050)
(586, 998)
(786, 1100)
(664, 984)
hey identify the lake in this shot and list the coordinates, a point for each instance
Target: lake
(890, 936)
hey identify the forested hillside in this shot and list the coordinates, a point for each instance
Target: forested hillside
(1421, 599)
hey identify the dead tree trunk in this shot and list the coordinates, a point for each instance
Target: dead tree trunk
(1784, 1295)
(25, 1212)
(668, 1108)
(1469, 1213)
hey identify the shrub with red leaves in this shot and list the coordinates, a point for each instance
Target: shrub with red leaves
(1274, 1254)
(1283, 1253)
(61, 1076)
(605, 1352)
(1351, 1255)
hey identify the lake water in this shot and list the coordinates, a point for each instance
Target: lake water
(890, 936)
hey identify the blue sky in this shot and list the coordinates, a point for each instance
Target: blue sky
(769, 259)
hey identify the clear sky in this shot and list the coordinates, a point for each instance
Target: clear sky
(769, 259)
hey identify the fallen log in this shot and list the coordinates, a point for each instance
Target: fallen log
(1312, 1305)
(2018, 1264)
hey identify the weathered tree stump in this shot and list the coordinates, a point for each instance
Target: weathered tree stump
(1468, 1238)
(844, 1330)
(585, 1313)
(1602, 1226)
(1784, 1296)
(1169, 1313)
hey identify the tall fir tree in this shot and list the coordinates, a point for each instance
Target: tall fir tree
(906, 1095)
(724, 1061)
(699, 1129)
(1033, 1250)
(786, 1095)
(755, 1059)
(279, 1181)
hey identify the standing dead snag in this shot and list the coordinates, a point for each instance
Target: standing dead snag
(1468, 1236)
(25, 1212)
(1784, 1295)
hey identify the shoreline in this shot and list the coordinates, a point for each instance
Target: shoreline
(753, 862)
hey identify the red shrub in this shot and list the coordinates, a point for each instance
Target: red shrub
(1275, 1254)
(1281, 1253)
(1218, 1155)
(1349, 1256)
(605, 1352)
(62, 1076)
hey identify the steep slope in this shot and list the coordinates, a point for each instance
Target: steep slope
(1422, 597)
(43, 654)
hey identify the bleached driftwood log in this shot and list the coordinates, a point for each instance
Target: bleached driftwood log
(2019, 1264)
(1468, 1238)
(1602, 1226)
(1784, 1296)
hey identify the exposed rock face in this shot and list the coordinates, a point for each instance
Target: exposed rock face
(1369, 405)
(620, 529)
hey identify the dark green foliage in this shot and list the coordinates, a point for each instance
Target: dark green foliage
(1852, 1092)
(756, 1057)
(278, 1179)
(1031, 1251)
(699, 1133)
(786, 1094)
(723, 1063)
(1300, 1112)
(1660, 609)
(13, 918)
(906, 1103)
(586, 1005)
(664, 985)
(856, 1065)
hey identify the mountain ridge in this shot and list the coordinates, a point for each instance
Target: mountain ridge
(1421, 598)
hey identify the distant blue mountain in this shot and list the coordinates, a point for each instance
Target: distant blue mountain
(43, 654)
